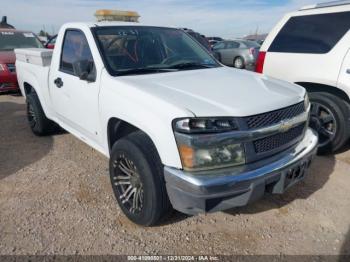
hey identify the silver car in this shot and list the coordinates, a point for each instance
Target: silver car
(238, 53)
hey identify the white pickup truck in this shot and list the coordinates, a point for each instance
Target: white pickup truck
(181, 130)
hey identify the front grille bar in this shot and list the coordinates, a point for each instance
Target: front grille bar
(248, 135)
(274, 117)
(271, 143)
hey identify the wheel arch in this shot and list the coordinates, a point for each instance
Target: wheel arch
(33, 87)
(28, 88)
(118, 128)
(237, 56)
(316, 87)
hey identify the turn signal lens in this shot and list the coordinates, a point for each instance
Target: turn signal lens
(187, 155)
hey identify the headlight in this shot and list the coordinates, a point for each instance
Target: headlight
(205, 125)
(306, 102)
(207, 151)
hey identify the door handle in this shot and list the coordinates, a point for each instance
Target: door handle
(348, 71)
(58, 82)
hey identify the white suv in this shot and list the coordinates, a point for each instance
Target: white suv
(311, 47)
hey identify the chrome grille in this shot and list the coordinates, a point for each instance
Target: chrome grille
(273, 142)
(11, 68)
(274, 117)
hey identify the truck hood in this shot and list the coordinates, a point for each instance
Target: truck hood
(7, 57)
(219, 92)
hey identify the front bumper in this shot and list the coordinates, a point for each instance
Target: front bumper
(211, 191)
(8, 82)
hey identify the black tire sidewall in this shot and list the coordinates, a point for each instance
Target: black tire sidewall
(152, 209)
(341, 113)
(33, 101)
(238, 58)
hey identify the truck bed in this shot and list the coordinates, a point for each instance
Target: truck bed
(33, 66)
(36, 56)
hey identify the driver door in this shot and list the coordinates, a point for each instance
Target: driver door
(75, 101)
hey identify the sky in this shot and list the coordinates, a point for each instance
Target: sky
(225, 18)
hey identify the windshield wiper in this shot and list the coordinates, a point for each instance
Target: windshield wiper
(144, 70)
(152, 70)
(191, 65)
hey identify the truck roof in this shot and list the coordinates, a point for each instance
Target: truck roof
(107, 23)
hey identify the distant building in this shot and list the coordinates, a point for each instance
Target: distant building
(255, 37)
(4, 24)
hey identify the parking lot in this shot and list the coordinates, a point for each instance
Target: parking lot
(56, 198)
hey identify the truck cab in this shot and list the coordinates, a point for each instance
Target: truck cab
(180, 129)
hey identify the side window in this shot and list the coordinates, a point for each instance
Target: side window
(75, 49)
(242, 45)
(311, 34)
(231, 45)
(219, 46)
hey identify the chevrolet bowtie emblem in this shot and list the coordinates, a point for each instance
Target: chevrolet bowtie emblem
(285, 126)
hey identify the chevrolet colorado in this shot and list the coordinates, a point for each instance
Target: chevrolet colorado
(180, 129)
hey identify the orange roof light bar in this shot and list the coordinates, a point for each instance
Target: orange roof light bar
(116, 15)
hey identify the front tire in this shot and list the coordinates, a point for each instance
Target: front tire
(38, 122)
(330, 116)
(136, 174)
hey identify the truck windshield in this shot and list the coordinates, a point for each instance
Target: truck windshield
(142, 50)
(10, 40)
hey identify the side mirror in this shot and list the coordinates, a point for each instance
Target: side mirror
(85, 70)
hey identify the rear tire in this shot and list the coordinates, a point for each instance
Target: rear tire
(137, 178)
(238, 62)
(38, 122)
(330, 117)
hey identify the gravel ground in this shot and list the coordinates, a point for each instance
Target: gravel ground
(56, 198)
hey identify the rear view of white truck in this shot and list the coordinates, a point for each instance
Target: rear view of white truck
(181, 130)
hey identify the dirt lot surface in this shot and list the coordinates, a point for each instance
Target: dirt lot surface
(56, 198)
